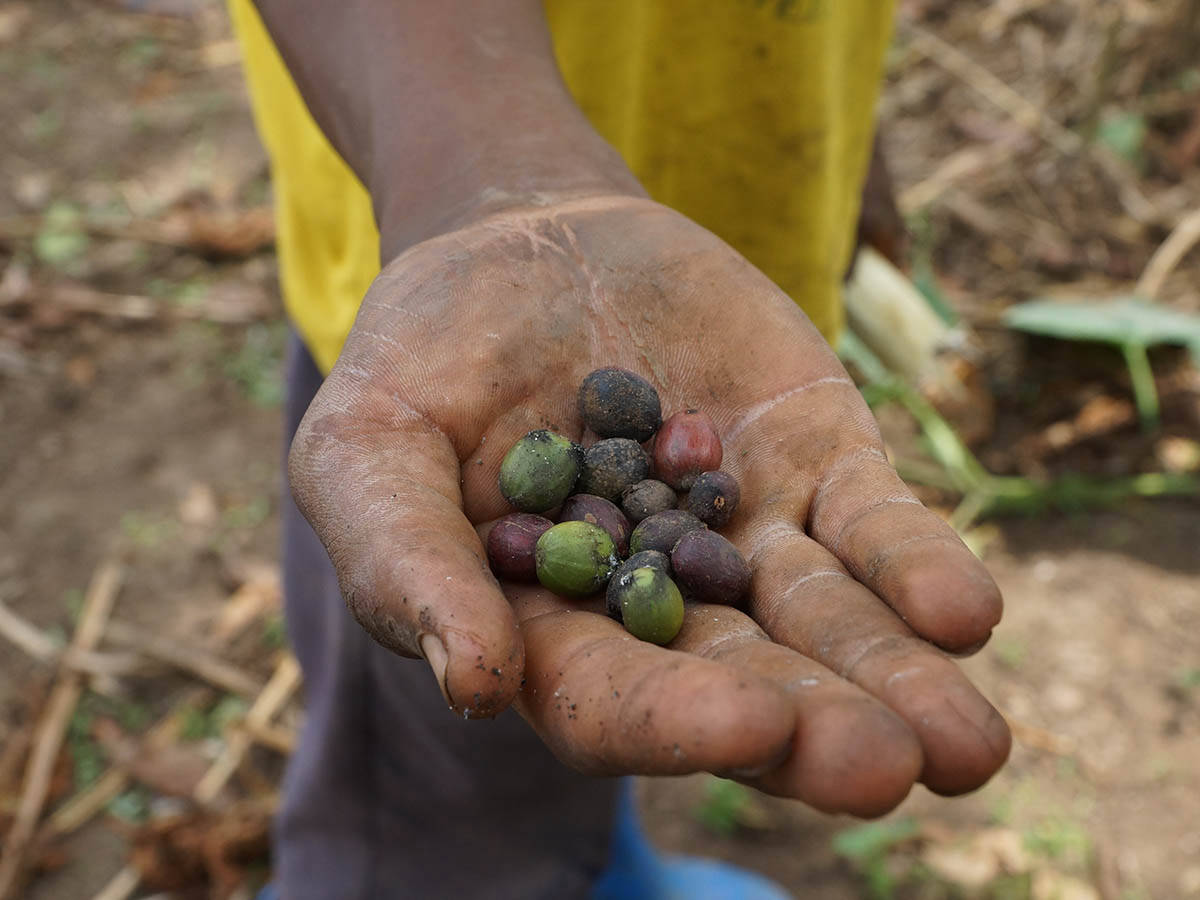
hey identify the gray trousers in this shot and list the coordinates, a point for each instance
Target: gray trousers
(388, 794)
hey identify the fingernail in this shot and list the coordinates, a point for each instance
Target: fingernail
(759, 771)
(434, 652)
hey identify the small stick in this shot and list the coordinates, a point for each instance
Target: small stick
(280, 739)
(42, 647)
(122, 886)
(204, 665)
(283, 682)
(1168, 255)
(97, 604)
(79, 810)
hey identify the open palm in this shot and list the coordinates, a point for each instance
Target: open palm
(830, 690)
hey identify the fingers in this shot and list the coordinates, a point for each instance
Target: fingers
(863, 513)
(849, 754)
(382, 494)
(805, 599)
(607, 703)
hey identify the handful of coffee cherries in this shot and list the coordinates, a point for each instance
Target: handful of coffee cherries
(638, 524)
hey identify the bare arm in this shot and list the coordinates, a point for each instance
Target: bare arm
(446, 110)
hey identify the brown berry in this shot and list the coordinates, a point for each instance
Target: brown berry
(686, 445)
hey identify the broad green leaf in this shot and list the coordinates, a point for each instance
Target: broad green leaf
(1121, 320)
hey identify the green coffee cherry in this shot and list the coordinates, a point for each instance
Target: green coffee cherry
(540, 470)
(651, 605)
(575, 559)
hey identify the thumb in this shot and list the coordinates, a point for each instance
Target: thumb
(379, 484)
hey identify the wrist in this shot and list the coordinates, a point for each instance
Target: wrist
(480, 171)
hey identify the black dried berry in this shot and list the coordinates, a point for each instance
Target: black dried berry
(713, 498)
(612, 465)
(647, 497)
(618, 403)
(662, 530)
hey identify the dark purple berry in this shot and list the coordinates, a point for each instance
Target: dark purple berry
(598, 511)
(511, 543)
(713, 498)
(709, 569)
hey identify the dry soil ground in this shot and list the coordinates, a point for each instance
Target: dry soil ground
(158, 441)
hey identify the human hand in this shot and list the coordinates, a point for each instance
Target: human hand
(828, 691)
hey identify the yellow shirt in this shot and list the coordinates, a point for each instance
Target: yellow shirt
(752, 117)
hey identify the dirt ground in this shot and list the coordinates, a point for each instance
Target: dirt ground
(140, 422)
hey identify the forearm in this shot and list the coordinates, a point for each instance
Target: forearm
(444, 109)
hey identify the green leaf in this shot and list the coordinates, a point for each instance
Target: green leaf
(1123, 133)
(1117, 320)
(61, 240)
(723, 806)
(874, 839)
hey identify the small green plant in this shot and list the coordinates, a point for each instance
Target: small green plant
(87, 762)
(1010, 651)
(724, 807)
(73, 601)
(1189, 679)
(867, 847)
(983, 494)
(1124, 133)
(201, 724)
(141, 54)
(248, 515)
(257, 366)
(274, 632)
(147, 530)
(131, 806)
(62, 241)
(1061, 840)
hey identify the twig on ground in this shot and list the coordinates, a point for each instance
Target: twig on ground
(43, 648)
(80, 809)
(280, 739)
(1033, 118)
(193, 660)
(71, 297)
(97, 605)
(143, 643)
(231, 232)
(274, 695)
(122, 886)
(1168, 255)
